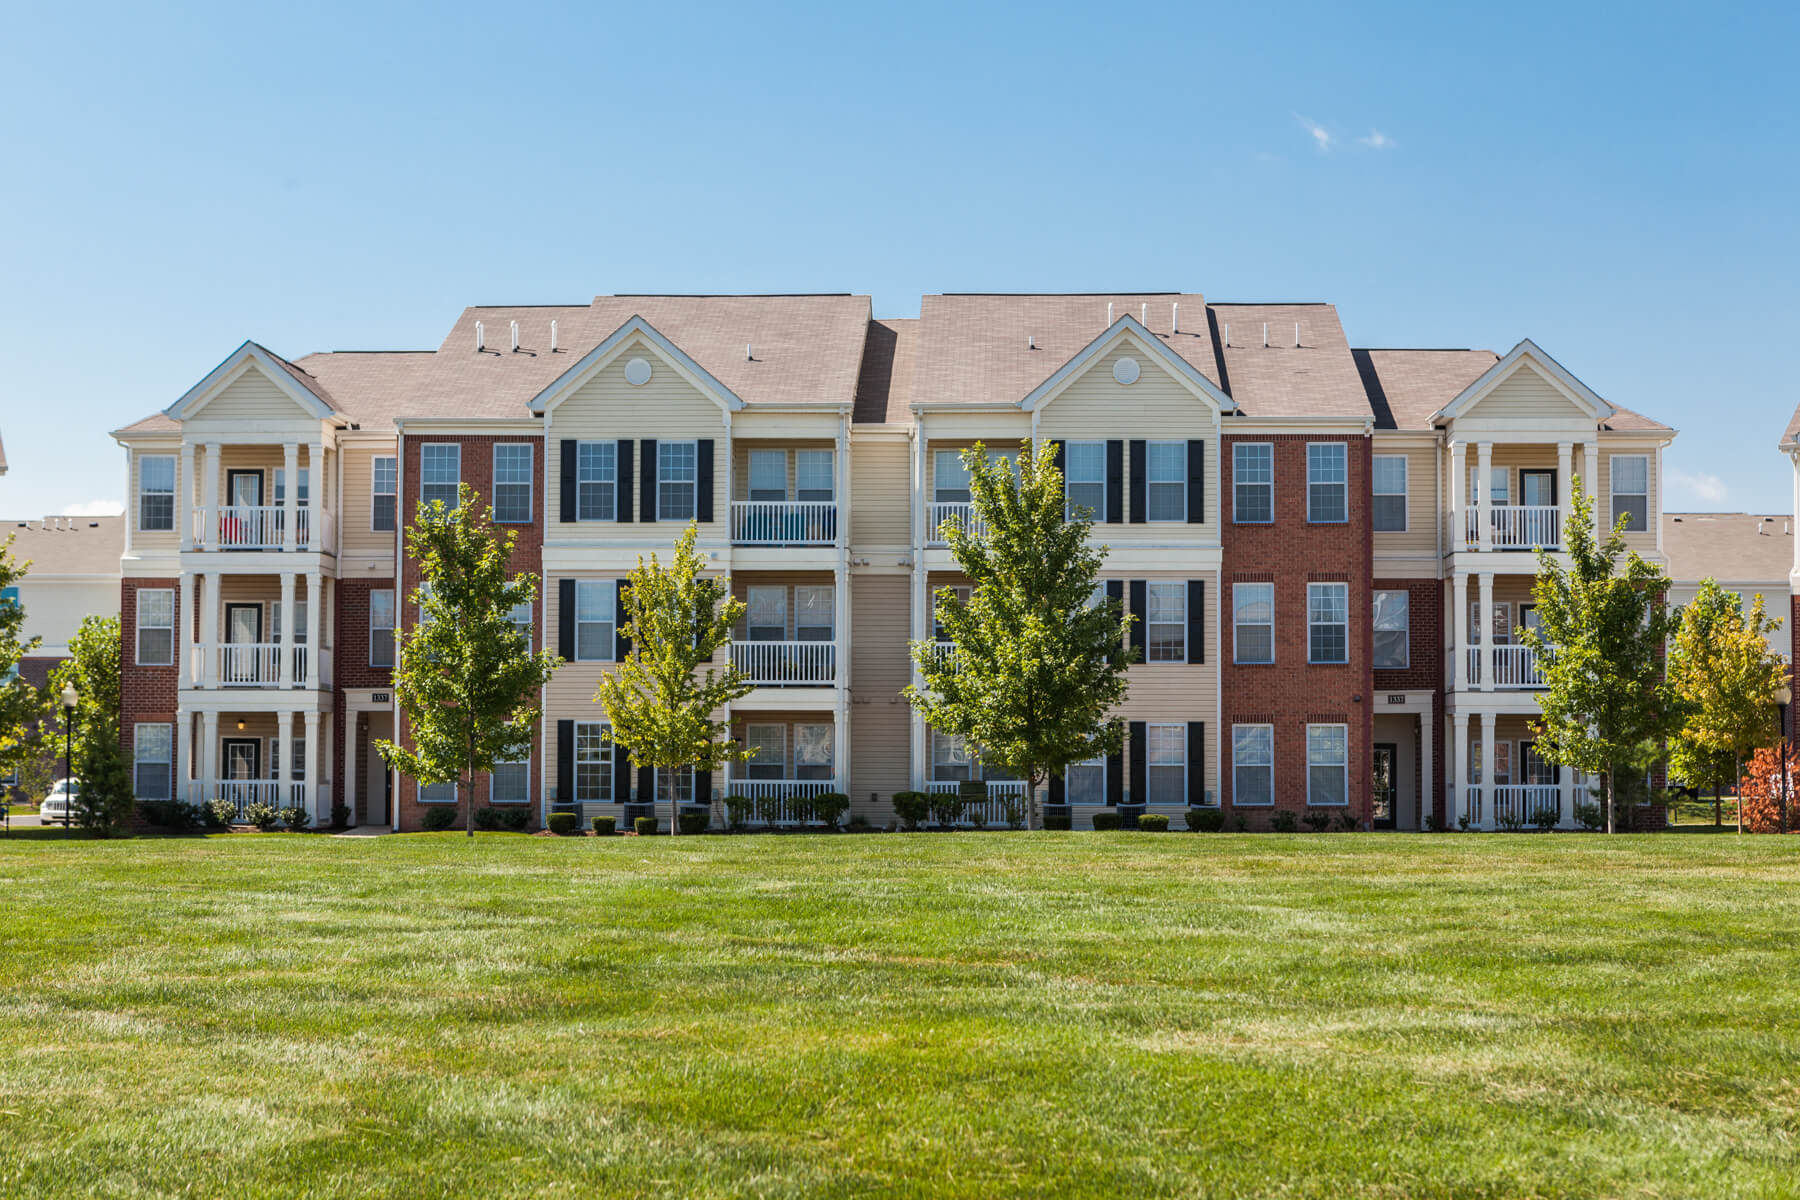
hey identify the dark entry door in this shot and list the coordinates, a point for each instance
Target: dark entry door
(243, 759)
(1386, 791)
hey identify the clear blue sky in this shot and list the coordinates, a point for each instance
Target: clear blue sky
(1617, 183)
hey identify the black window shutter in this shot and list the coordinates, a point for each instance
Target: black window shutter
(569, 450)
(1115, 778)
(1115, 483)
(1140, 609)
(1196, 630)
(1196, 481)
(1115, 591)
(622, 480)
(621, 789)
(1057, 455)
(647, 484)
(702, 787)
(621, 643)
(1056, 790)
(1140, 762)
(703, 480)
(1196, 763)
(1140, 479)
(646, 786)
(565, 619)
(565, 762)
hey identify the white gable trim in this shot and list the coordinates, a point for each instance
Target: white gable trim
(1127, 328)
(244, 358)
(1577, 392)
(594, 360)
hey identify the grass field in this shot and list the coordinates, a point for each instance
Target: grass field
(1107, 1015)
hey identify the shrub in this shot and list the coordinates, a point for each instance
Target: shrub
(1431, 824)
(221, 812)
(1107, 818)
(1240, 822)
(492, 817)
(1206, 820)
(439, 817)
(738, 810)
(830, 807)
(1284, 821)
(487, 818)
(296, 818)
(858, 824)
(1317, 821)
(946, 807)
(263, 816)
(1347, 822)
(340, 816)
(1154, 822)
(1759, 795)
(1463, 822)
(1545, 817)
(768, 808)
(691, 821)
(912, 807)
(1012, 810)
(800, 808)
(564, 824)
(1060, 820)
(606, 826)
(644, 826)
(1588, 816)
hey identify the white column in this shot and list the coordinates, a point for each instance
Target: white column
(1427, 781)
(1484, 495)
(184, 642)
(1487, 769)
(209, 626)
(1459, 602)
(1564, 488)
(311, 767)
(184, 496)
(184, 752)
(315, 603)
(1459, 768)
(315, 494)
(285, 652)
(1590, 456)
(290, 500)
(1459, 476)
(209, 752)
(284, 755)
(210, 496)
(1485, 616)
(1565, 781)
(921, 626)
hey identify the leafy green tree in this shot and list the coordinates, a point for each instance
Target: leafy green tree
(467, 679)
(92, 668)
(658, 699)
(1721, 666)
(1602, 626)
(22, 706)
(1038, 665)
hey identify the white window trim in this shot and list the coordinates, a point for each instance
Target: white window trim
(529, 485)
(613, 483)
(1344, 766)
(137, 651)
(661, 447)
(419, 793)
(1236, 794)
(1099, 514)
(607, 761)
(1181, 586)
(1311, 624)
(1270, 485)
(612, 642)
(524, 762)
(1186, 751)
(1613, 493)
(167, 764)
(1149, 482)
(172, 493)
(393, 632)
(373, 461)
(1237, 625)
(1407, 664)
(1345, 484)
(1405, 483)
(427, 446)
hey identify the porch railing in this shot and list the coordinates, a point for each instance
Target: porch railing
(242, 793)
(778, 664)
(991, 811)
(772, 798)
(1515, 667)
(962, 513)
(1517, 526)
(257, 664)
(260, 527)
(1516, 804)
(783, 522)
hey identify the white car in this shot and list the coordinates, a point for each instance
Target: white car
(58, 803)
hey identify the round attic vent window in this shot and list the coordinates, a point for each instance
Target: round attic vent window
(637, 372)
(1126, 371)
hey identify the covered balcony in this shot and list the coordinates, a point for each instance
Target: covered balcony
(786, 494)
(246, 502)
(1515, 667)
(1517, 527)
(788, 636)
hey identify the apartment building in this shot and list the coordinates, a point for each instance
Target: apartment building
(1327, 549)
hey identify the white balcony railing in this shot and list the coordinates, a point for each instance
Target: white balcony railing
(243, 793)
(256, 664)
(993, 810)
(783, 522)
(772, 797)
(1517, 804)
(963, 513)
(260, 527)
(1517, 526)
(1515, 667)
(781, 664)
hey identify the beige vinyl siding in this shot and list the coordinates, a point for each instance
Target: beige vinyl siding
(1421, 501)
(1525, 394)
(355, 534)
(252, 396)
(666, 408)
(1179, 692)
(881, 719)
(1643, 542)
(740, 455)
(1157, 407)
(880, 484)
(159, 539)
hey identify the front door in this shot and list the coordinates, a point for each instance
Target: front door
(243, 759)
(1386, 791)
(244, 488)
(1538, 487)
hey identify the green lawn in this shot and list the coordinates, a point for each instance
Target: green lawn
(1108, 1015)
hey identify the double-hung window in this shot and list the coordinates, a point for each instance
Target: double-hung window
(593, 763)
(381, 627)
(1167, 624)
(949, 478)
(156, 493)
(1084, 480)
(813, 475)
(1631, 491)
(813, 612)
(768, 475)
(765, 614)
(1253, 483)
(440, 471)
(1167, 481)
(1327, 483)
(512, 483)
(1252, 765)
(677, 479)
(1387, 513)
(1393, 623)
(596, 481)
(1328, 764)
(511, 782)
(152, 759)
(1253, 622)
(1084, 782)
(594, 606)
(813, 751)
(1165, 774)
(1328, 622)
(156, 627)
(950, 758)
(437, 793)
(520, 616)
(767, 744)
(384, 493)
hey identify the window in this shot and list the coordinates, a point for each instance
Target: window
(1253, 622)
(677, 476)
(593, 764)
(512, 484)
(1253, 483)
(962, 592)
(596, 479)
(425, 614)
(1392, 626)
(305, 496)
(152, 757)
(1631, 490)
(156, 627)
(511, 782)
(1167, 481)
(1500, 626)
(950, 478)
(1327, 483)
(1167, 624)
(1165, 774)
(386, 493)
(812, 752)
(1388, 514)
(1328, 622)
(437, 793)
(768, 475)
(1084, 480)
(950, 758)
(812, 475)
(440, 471)
(683, 785)
(296, 758)
(1252, 765)
(381, 627)
(766, 614)
(156, 493)
(299, 620)
(594, 604)
(1084, 782)
(1328, 764)
(767, 744)
(1499, 485)
(813, 616)
(520, 616)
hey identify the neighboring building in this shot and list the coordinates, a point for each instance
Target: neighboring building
(1324, 619)
(1749, 554)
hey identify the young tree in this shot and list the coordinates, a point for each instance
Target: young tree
(1601, 630)
(92, 668)
(1721, 667)
(658, 700)
(1038, 664)
(467, 679)
(21, 705)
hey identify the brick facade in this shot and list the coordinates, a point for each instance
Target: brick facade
(1424, 672)
(351, 664)
(147, 694)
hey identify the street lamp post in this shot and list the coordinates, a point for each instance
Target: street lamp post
(69, 697)
(1784, 696)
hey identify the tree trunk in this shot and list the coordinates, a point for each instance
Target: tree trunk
(1718, 805)
(1606, 798)
(1032, 820)
(1737, 772)
(674, 801)
(469, 796)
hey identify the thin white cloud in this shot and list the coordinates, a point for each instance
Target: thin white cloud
(1321, 136)
(95, 508)
(1377, 140)
(1701, 485)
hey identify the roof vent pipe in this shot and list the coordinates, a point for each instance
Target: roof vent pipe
(748, 357)
(1109, 316)
(1296, 335)
(1031, 341)
(1265, 335)
(1228, 333)
(553, 337)
(480, 339)
(1144, 315)
(1175, 317)
(515, 337)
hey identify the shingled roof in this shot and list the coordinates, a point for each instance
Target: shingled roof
(1731, 547)
(67, 545)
